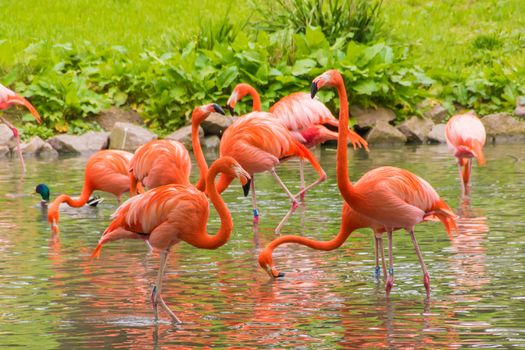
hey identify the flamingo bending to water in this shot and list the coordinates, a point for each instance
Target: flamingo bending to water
(169, 214)
(465, 135)
(384, 199)
(106, 171)
(8, 98)
(302, 115)
(258, 141)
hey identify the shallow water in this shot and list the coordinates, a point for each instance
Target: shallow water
(53, 296)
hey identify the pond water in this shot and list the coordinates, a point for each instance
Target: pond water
(52, 296)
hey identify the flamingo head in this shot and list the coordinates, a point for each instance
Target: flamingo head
(231, 168)
(43, 190)
(266, 263)
(199, 114)
(52, 219)
(329, 78)
(8, 98)
(238, 93)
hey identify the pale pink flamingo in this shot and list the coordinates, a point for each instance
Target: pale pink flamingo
(384, 199)
(169, 214)
(304, 116)
(8, 98)
(465, 135)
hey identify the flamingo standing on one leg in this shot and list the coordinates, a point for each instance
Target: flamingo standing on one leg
(258, 141)
(466, 136)
(7, 99)
(158, 163)
(106, 171)
(169, 214)
(390, 198)
(302, 115)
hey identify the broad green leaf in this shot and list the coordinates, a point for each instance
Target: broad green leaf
(304, 66)
(367, 87)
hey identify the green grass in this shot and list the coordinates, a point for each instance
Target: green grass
(135, 24)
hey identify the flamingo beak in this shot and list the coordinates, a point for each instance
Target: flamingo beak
(18, 100)
(273, 272)
(232, 110)
(218, 109)
(246, 187)
(313, 89)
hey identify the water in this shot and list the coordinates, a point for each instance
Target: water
(52, 296)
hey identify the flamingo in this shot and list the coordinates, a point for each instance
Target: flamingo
(169, 214)
(159, 162)
(384, 199)
(302, 115)
(258, 141)
(8, 98)
(45, 193)
(465, 135)
(106, 170)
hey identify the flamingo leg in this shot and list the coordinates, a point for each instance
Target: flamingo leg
(254, 202)
(460, 171)
(294, 202)
(17, 138)
(426, 276)
(390, 278)
(301, 175)
(381, 250)
(156, 298)
(468, 184)
(377, 272)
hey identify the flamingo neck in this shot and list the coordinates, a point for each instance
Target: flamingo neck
(207, 241)
(256, 104)
(199, 155)
(343, 181)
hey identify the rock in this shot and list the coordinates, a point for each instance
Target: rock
(183, 135)
(91, 141)
(384, 133)
(416, 129)
(369, 117)
(215, 124)
(433, 110)
(212, 141)
(33, 147)
(6, 136)
(520, 107)
(437, 134)
(501, 127)
(107, 118)
(129, 137)
(47, 151)
(4, 151)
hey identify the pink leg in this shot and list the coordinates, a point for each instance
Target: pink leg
(156, 298)
(294, 202)
(390, 278)
(461, 178)
(301, 174)
(17, 138)
(254, 202)
(426, 276)
(468, 184)
(315, 183)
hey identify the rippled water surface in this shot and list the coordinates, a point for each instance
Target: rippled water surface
(53, 296)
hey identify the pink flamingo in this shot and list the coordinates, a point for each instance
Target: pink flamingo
(466, 136)
(258, 141)
(384, 199)
(8, 98)
(302, 115)
(169, 214)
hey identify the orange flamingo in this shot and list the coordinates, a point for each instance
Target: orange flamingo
(158, 163)
(302, 115)
(466, 136)
(107, 171)
(7, 99)
(384, 199)
(258, 141)
(169, 214)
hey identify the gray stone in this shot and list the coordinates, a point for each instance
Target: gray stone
(129, 137)
(107, 118)
(501, 127)
(215, 124)
(416, 129)
(4, 151)
(88, 143)
(384, 133)
(47, 151)
(183, 135)
(367, 118)
(520, 107)
(33, 147)
(437, 134)
(433, 110)
(6, 136)
(212, 141)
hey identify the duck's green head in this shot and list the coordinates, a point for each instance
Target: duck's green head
(43, 190)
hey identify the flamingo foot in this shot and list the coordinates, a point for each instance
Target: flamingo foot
(426, 282)
(295, 204)
(389, 284)
(377, 273)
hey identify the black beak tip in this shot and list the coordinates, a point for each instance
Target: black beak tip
(313, 90)
(280, 274)
(232, 111)
(218, 109)
(246, 188)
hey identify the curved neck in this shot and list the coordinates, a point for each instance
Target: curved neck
(256, 106)
(221, 237)
(199, 155)
(75, 203)
(343, 182)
